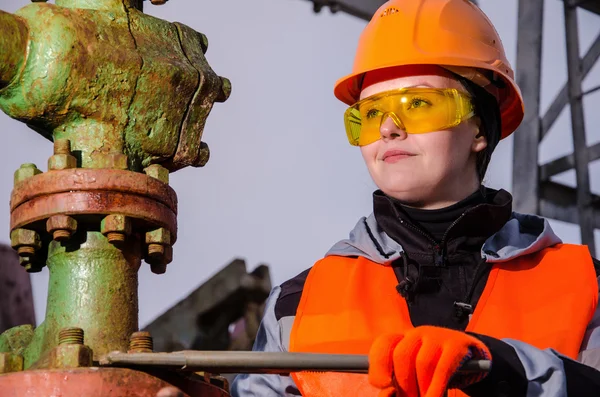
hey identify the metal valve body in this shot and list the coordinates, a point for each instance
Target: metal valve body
(124, 96)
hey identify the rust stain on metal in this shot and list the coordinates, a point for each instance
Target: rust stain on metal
(146, 212)
(80, 179)
(95, 382)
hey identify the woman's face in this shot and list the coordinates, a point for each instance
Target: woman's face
(430, 170)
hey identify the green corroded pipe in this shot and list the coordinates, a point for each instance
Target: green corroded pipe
(94, 286)
(13, 46)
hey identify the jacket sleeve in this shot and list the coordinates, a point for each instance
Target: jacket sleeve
(519, 369)
(268, 339)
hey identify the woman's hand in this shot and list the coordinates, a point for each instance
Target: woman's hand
(424, 361)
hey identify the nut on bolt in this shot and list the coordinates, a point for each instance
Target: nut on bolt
(159, 266)
(157, 171)
(203, 155)
(26, 171)
(62, 158)
(71, 352)
(116, 228)
(32, 264)
(225, 90)
(25, 241)
(62, 227)
(10, 362)
(159, 252)
(203, 42)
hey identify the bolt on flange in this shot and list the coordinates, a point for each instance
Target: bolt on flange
(71, 352)
(116, 228)
(157, 171)
(26, 242)
(61, 227)
(62, 158)
(10, 362)
(70, 336)
(159, 252)
(225, 90)
(26, 171)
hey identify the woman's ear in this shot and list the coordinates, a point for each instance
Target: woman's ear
(479, 139)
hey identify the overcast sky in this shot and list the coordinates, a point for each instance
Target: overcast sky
(282, 184)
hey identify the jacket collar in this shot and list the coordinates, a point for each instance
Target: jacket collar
(519, 235)
(464, 226)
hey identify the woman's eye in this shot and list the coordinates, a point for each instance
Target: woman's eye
(418, 103)
(372, 113)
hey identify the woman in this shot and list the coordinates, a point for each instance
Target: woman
(443, 270)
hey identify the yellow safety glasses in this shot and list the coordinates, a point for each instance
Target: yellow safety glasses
(415, 110)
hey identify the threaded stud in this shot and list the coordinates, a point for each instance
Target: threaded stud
(115, 237)
(70, 336)
(26, 250)
(61, 235)
(62, 146)
(156, 250)
(141, 342)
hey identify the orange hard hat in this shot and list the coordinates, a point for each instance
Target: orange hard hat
(454, 34)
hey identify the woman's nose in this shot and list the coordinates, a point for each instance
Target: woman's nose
(390, 128)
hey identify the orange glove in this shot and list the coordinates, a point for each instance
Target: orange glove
(424, 362)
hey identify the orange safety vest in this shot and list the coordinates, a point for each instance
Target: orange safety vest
(545, 299)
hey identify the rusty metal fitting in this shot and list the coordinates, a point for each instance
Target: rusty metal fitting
(159, 252)
(26, 251)
(115, 237)
(116, 161)
(62, 227)
(157, 171)
(62, 158)
(225, 91)
(62, 146)
(159, 265)
(141, 342)
(158, 2)
(26, 171)
(62, 162)
(203, 42)
(71, 356)
(71, 352)
(70, 336)
(25, 241)
(116, 228)
(156, 250)
(10, 362)
(30, 265)
(203, 155)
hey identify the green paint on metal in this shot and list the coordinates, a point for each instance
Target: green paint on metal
(93, 286)
(112, 80)
(99, 4)
(13, 44)
(16, 339)
(32, 353)
(127, 90)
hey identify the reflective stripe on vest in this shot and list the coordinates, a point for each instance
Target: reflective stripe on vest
(545, 299)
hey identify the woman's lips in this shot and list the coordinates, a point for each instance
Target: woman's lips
(393, 156)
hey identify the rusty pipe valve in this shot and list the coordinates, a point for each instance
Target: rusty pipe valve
(140, 84)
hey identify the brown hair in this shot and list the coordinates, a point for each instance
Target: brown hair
(486, 107)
